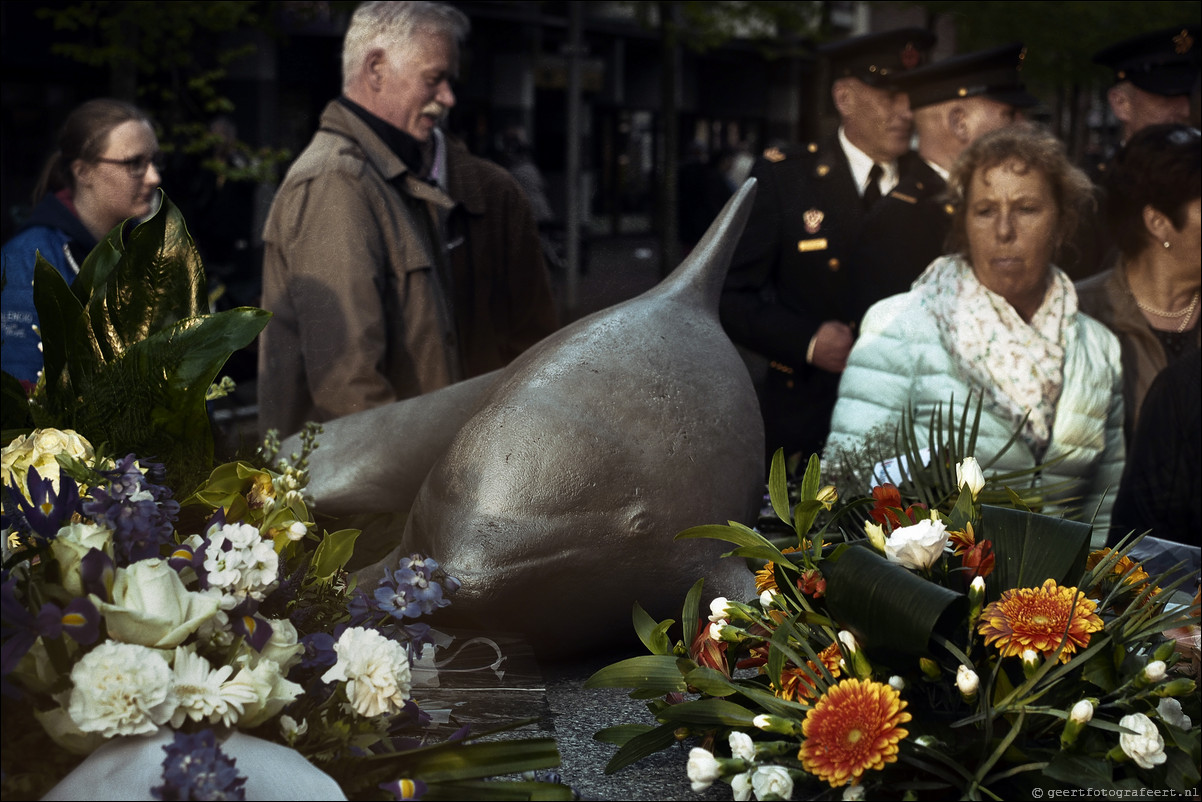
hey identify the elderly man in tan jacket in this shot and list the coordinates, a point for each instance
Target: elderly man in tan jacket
(355, 271)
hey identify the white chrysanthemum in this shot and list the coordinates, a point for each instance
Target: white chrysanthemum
(121, 689)
(203, 692)
(376, 671)
(240, 562)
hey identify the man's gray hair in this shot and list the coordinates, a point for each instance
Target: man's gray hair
(392, 26)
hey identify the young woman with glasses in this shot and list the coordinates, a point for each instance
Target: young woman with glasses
(104, 172)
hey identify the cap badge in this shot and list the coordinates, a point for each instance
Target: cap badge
(813, 220)
(1182, 42)
(910, 56)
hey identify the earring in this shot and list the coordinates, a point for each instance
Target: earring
(1166, 244)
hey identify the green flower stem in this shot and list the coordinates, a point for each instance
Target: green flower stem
(978, 781)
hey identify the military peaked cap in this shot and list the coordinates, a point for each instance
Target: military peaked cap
(877, 58)
(1163, 62)
(992, 73)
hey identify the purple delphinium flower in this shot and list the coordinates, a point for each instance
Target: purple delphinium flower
(139, 511)
(319, 650)
(196, 768)
(411, 591)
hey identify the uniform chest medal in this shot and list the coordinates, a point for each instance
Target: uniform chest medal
(812, 219)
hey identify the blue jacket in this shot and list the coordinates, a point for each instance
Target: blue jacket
(55, 232)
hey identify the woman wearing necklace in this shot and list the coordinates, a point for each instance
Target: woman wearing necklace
(1150, 299)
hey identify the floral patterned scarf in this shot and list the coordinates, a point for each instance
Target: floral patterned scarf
(1019, 365)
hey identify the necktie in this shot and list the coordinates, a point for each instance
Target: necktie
(872, 191)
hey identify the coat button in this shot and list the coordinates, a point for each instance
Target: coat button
(833, 264)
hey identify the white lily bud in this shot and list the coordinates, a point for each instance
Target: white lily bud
(969, 473)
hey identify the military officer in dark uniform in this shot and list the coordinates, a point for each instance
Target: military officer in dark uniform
(787, 296)
(954, 101)
(1154, 74)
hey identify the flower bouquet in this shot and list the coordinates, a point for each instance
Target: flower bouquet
(185, 631)
(961, 651)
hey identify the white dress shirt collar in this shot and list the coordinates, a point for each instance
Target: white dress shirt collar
(861, 164)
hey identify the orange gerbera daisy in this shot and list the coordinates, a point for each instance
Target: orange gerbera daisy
(764, 578)
(796, 684)
(851, 729)
(1040, 618)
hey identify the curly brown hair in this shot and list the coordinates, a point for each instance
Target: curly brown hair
(1037, 149)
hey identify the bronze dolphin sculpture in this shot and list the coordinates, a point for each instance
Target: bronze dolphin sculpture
(557, 502)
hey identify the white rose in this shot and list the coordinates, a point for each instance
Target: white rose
(968, 472)
(742, 747)
(375, 669)
(283, 647)
(72, 544)
(1143, 744)
(703, 769)
(39, 450)
(121, 689)
(918, 546)
(271, 691)
(152, 607)
(772, 781)
(1170, 712)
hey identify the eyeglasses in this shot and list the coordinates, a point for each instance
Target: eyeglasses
(136, 165)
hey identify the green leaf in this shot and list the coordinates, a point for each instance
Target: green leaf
(651, 671)
(739, 535)
(456, 761)
(333, 552)
(690, 615)
(1080, 771)
(654, 635)
(641, 746)
(710, 713)
(710, 681)
(1031, 548)
(808, 508)
(63, 340)
(778, 487)
(891, 611)
(621, 734)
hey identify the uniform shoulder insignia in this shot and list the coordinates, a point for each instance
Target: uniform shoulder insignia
(901, 196)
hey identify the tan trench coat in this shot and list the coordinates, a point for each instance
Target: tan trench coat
(356, 278)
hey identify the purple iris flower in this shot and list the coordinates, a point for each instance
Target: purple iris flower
(47, 509)
(245, 621)
(405, 789)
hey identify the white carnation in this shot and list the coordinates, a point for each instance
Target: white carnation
(1144, 744)
(121, 689)
(375, 669)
